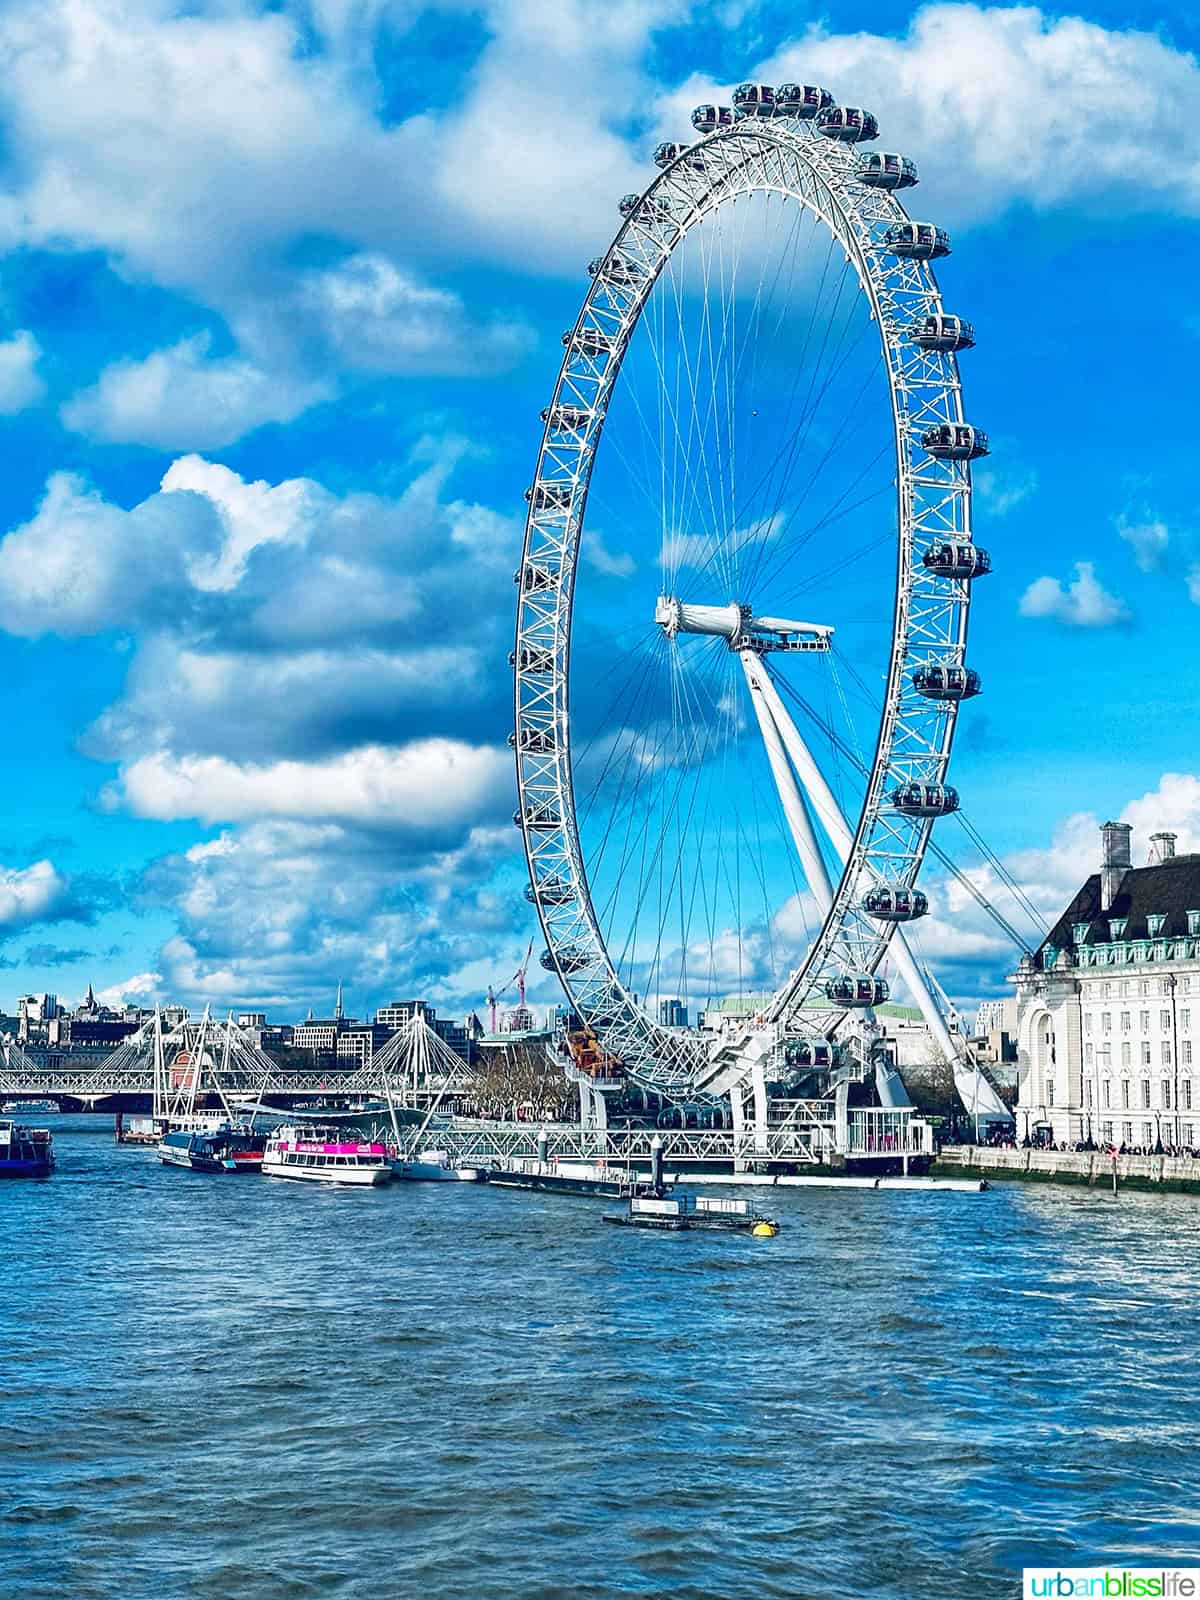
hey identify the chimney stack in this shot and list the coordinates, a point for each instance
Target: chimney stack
(1162, 848)
(1117, 860)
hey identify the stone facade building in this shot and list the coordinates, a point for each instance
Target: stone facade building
(1108, 1008)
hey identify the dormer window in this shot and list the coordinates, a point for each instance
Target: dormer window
(1079, 932)
(1155, 925)
(1117, 926)
(1193, 921)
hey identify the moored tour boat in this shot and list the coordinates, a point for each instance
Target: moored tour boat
(225, 1149)
(30, 1108)
(25, 1152)
(435, 1166)
(325, 1155)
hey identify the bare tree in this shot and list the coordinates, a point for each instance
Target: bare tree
(521, 1082)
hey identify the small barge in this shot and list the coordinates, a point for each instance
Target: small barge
(684, 1212)
(25, 1152)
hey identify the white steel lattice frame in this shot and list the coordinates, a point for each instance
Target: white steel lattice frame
(786, 156)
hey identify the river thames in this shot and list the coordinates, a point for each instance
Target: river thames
(243, 1387)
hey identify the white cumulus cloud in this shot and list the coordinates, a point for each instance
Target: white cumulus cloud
(378, 317)
(428, 785)
(20, 384)
(1082, 603)
(1148, 541)
(179, 398)
(30, 894)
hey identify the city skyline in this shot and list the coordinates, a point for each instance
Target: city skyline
(264, 499)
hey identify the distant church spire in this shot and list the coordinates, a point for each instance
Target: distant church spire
(337, 1010)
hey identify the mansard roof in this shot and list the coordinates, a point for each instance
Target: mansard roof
(1170, 889)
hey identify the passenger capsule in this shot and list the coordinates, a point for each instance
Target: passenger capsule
(706, 118)
(536, 741)
(753, 100)
(668, 153)
(856, 989)
(955, 441)
(540, 817)
(628, 204)
(589, 341)
(532, 660)
(532, 578)
(549, 496)
(886, 171)
(917, 241)
(808, 1053)
(614, 269)
(570, 959)
(552, 891)
(895, 904)
(849, 124)
(937, 682)
(801, 100)
(940, 331)
(957, 559)
(924, 799)
(566, 418)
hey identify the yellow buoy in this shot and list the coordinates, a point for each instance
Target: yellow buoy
(764, 1230)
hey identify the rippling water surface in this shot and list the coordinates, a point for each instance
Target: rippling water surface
(248, 1388)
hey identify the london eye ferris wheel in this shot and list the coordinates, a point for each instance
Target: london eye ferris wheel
(743, 599)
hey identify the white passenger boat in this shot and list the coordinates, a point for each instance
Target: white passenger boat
(325, 1155)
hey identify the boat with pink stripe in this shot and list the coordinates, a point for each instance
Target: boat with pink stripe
(325, 1155)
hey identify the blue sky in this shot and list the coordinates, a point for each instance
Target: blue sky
(280, 299)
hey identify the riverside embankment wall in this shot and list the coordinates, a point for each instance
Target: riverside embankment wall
(1174, 1173)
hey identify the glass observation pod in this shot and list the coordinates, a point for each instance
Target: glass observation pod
(882, 170)
(541, 818)
(668, 152)
(651, 208)
(801, 100)
(955, 441)
(957, 560)
(550, 892)
(856, 989)
(549, 496)
(565, 417)
(754, 100)
(615, 269)
(924, 799)
(888, 904)
(532, 578)
(537, 740)
(937, 682)
(538, 661)
(569, 960)
(917, 241)
(850, 124)
(588, 341)
(808, 1053)
(940, 331)
(706, 118)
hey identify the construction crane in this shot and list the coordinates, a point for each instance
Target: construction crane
(494, 996)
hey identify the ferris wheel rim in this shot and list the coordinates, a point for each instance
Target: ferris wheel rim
(610, 314)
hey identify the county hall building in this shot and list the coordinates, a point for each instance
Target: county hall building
(1108, 1008)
